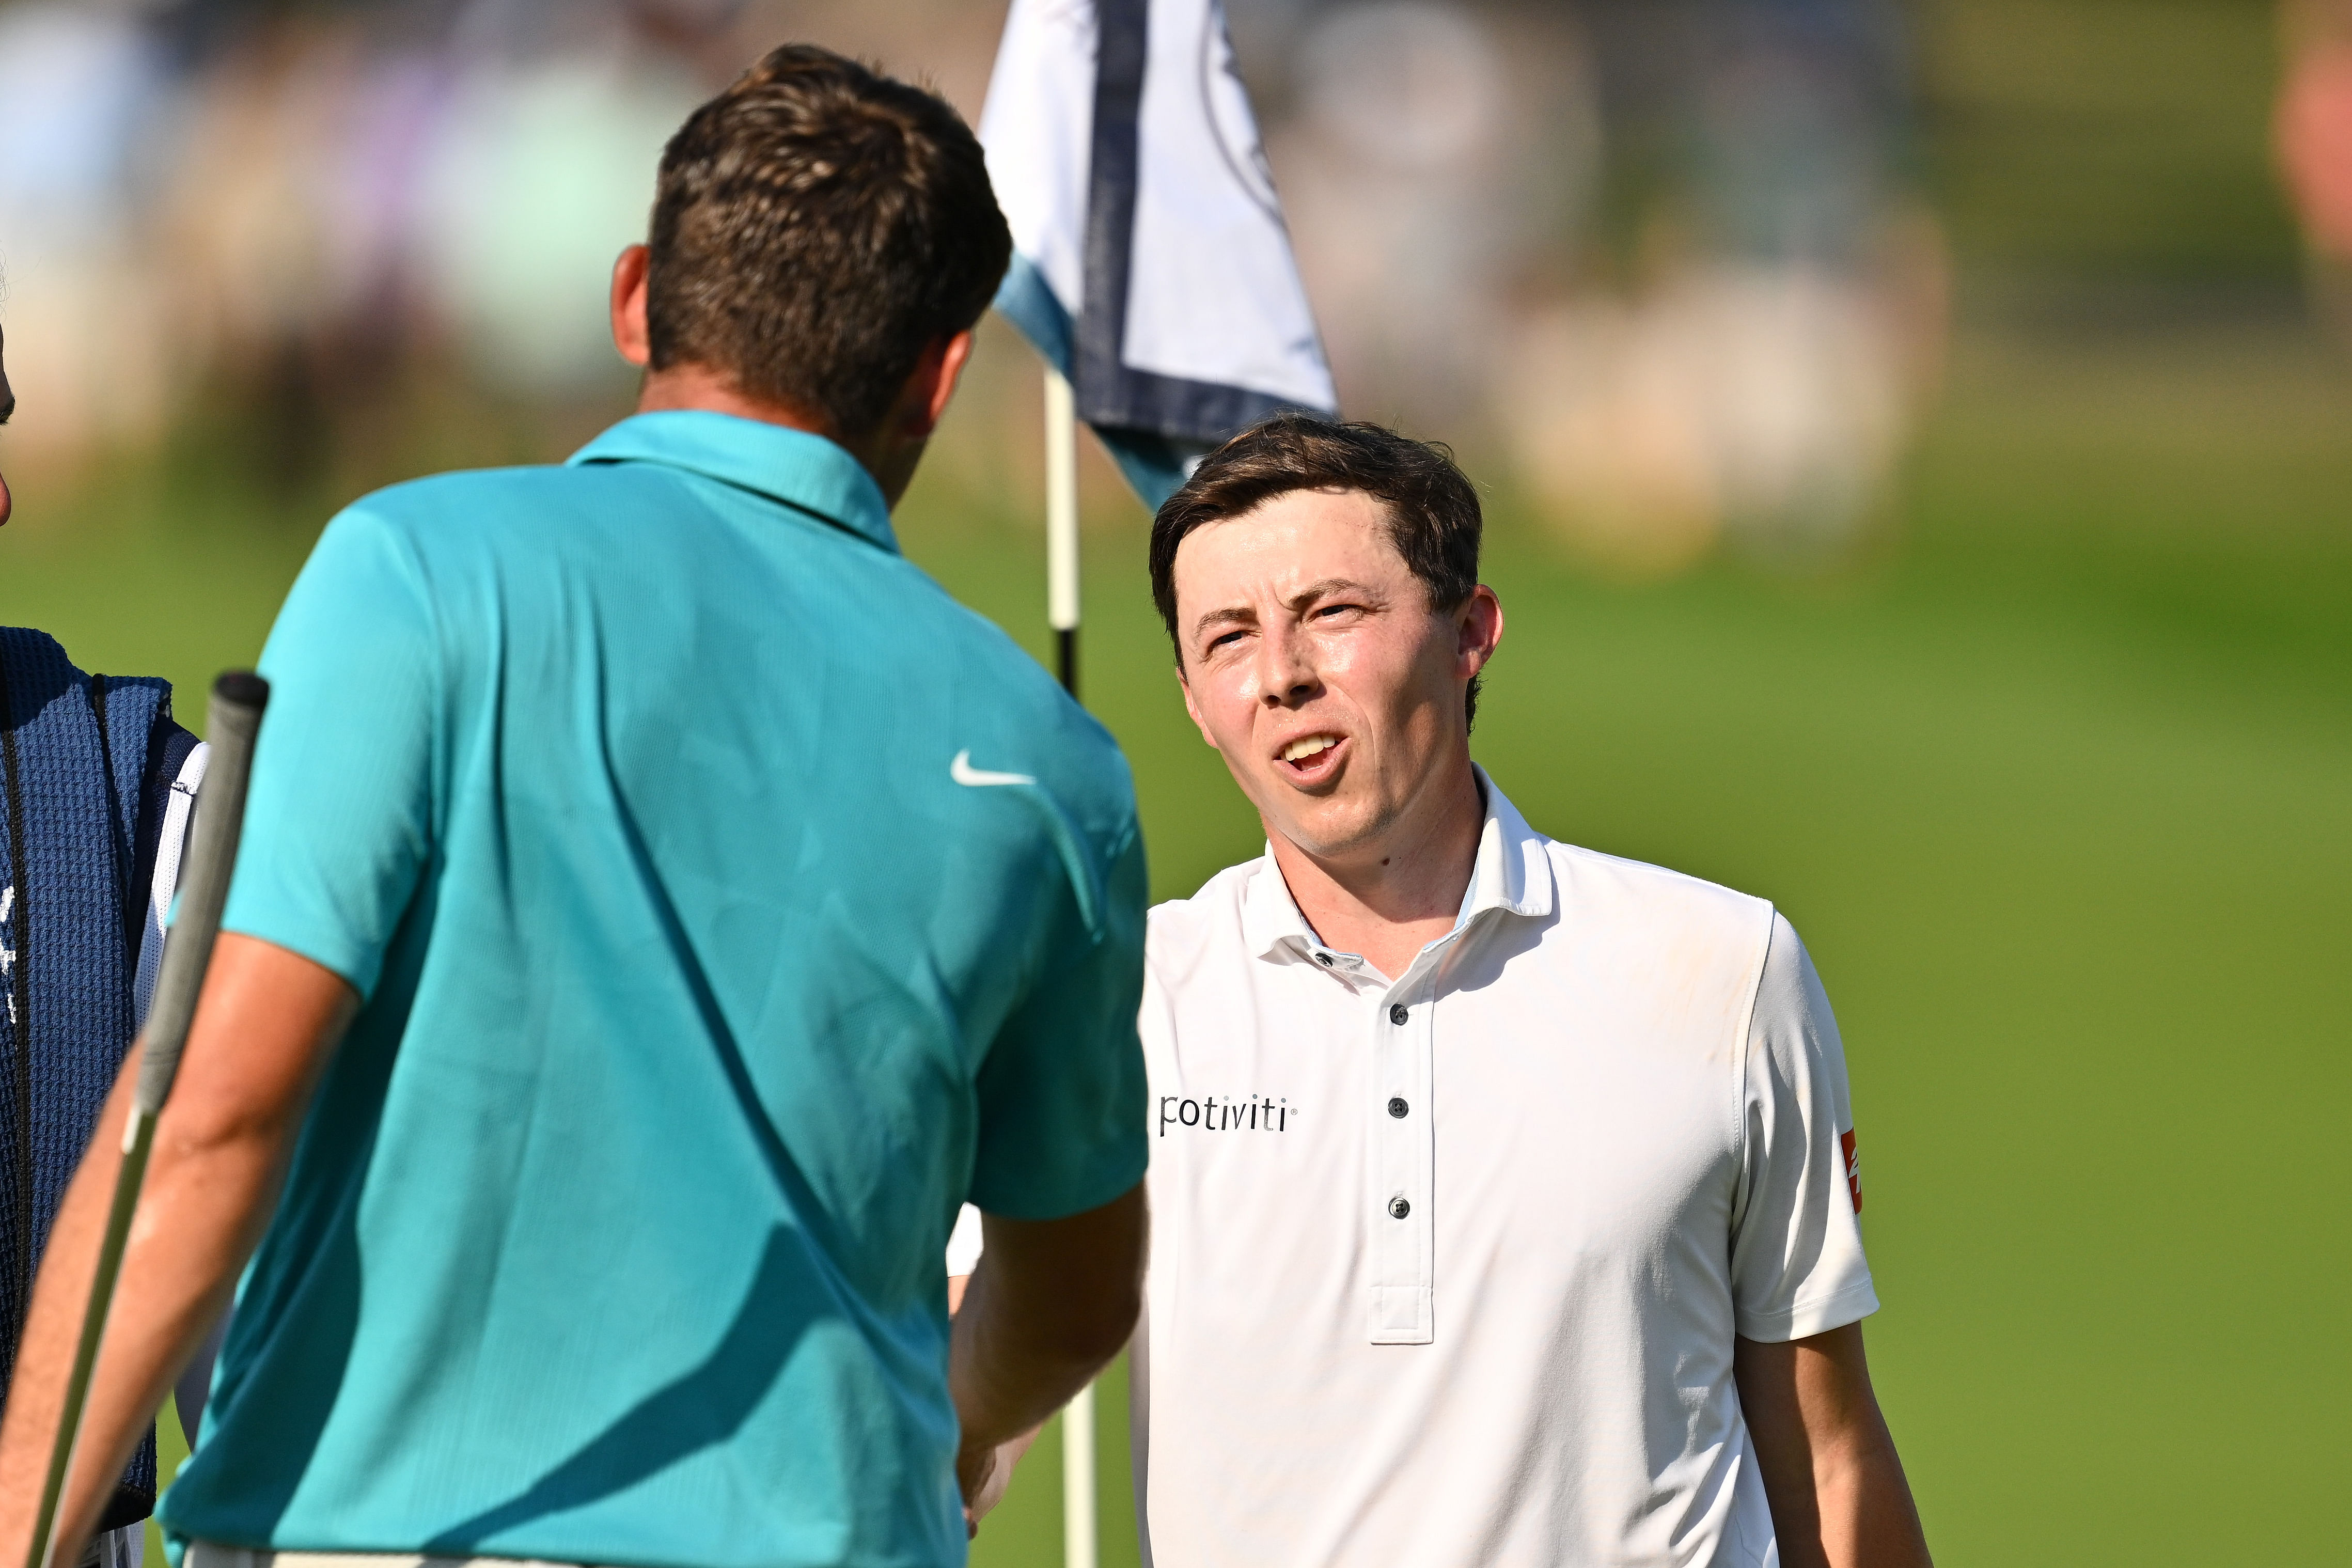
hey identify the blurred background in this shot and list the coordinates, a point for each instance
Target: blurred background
(1918, 446)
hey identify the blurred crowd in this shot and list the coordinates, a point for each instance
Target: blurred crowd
(1659, 252)
(293, 209)
(1658, 263)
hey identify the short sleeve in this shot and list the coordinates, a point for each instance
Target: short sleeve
(1061, 1093)
(338, 818)
(1796, 1263)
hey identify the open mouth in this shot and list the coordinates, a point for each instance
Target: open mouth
(1311, 757)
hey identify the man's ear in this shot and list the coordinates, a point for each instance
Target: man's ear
(1478, 630)
(1193, 708)
(630, 333)
(933, 383)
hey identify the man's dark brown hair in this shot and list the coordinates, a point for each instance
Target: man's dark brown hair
(817, 227)
(1434, 518)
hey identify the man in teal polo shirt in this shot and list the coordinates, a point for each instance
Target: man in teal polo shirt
(661, 906)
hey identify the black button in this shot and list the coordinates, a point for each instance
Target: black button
(1324, 958)
(1398, 1108)
(1397, 1014)
(1399, 1208)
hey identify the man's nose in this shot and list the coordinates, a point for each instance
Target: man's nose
(1287, 672)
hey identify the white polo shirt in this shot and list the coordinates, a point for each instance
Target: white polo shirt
(1447, 1270)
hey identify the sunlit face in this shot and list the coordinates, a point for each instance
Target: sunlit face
(1313, 662)
(7, 408)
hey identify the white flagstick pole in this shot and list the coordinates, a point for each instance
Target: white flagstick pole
(1062, 523)
(1078, 1482)
(1078, 1536)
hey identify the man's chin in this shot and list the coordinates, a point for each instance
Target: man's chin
(1344, 831)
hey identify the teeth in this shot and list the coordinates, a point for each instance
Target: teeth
(1307, 747)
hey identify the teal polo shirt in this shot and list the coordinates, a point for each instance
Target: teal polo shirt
(727, 905)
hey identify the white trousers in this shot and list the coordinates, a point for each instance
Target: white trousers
(124, 1548)
(206, 1554)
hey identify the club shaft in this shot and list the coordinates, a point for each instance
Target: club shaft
(127, 1180)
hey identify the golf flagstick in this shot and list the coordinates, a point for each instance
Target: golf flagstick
(1062, 613)
(1062, 523)
(238, 698)
(1078, 1481)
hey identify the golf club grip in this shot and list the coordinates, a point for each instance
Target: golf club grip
(235, 719)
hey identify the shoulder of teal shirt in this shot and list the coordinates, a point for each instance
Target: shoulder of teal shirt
(806, 475)
(788, 467)
(797, 468)
(814, 476)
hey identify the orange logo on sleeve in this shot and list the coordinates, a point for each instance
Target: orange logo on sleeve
(1852, 1168)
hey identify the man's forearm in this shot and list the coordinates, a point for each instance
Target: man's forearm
(1049, 1305)
(186, 1242)
(1006, 1381)
(1868, 1517)
(261, 1037)
(1836, 1487)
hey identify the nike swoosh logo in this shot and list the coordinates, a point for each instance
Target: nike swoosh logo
(963, 773)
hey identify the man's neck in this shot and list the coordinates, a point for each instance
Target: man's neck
(1386, 904)
(698, 386)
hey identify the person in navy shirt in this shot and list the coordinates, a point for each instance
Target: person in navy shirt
(97, 780)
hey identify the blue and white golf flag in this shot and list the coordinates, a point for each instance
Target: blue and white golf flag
(1150, 264)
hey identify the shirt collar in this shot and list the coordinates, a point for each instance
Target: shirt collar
(1512, 873)
(801, 470)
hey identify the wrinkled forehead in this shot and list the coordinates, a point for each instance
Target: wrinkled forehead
(1287, 542)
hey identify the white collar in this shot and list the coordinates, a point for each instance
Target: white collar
(1512, 873)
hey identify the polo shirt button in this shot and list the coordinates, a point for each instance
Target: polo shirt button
(1397, 1015)
(1398, 1108)
(1399, 1208)
(1324, 958)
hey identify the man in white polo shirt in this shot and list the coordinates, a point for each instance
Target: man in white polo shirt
(1504, 1197)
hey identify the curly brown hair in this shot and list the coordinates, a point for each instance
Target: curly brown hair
(815, 228)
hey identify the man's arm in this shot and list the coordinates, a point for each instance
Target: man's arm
(262, 1035)
(1838, 1497)
(979, 1504)
(1050, 1302)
